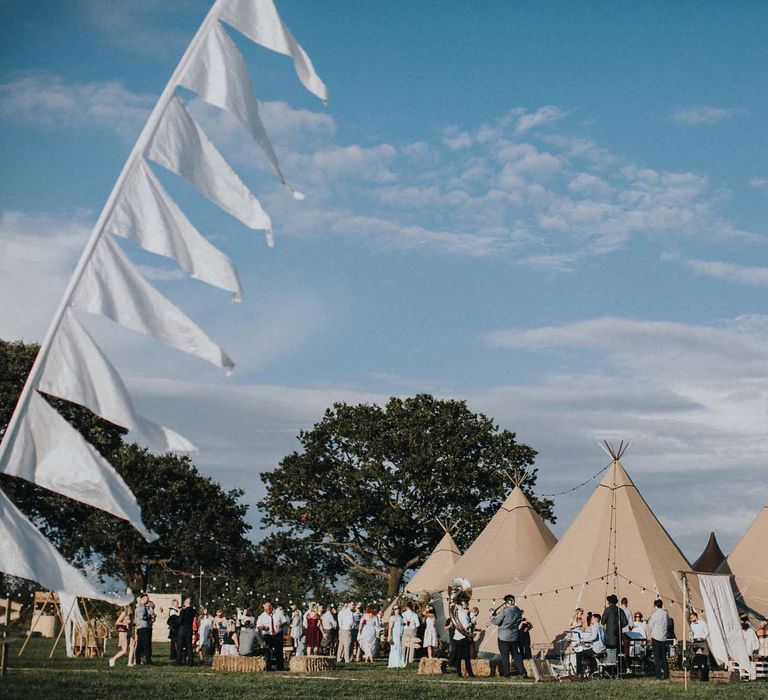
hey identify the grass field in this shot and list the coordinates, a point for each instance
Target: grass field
(35, 677)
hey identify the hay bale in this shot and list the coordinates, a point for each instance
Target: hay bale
(311, 664)
(485, 667)
(432, 667)
(245, 664)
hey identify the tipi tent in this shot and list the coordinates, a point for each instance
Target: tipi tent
(504, 555)
(711, 558)
(431, 576)
(510, 547)
(615, 545)
(749, 565)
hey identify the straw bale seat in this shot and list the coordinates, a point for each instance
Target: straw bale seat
(244, 664)
(311, 664)
(432, 667)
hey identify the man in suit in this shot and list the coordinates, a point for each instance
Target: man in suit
(184, 650)
(508, 620)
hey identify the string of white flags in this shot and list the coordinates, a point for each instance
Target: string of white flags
(39, 445)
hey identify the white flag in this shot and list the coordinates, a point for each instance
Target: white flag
(180, 145)
(147, 215)
(27, 554)
(77, 370)
(112, 286)
(49, 452)
(260, 21)
(218, 74)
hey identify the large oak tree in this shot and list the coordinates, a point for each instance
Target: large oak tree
(369, 481)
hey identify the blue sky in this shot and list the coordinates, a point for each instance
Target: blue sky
(556, 211)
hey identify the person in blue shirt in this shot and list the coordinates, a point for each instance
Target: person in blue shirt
(508, 620)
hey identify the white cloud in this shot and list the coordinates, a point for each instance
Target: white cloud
(543, 115)
(760, 183)
(743, 274)
(48, 101)
(703, 114)
(37, 254)
(692, 398)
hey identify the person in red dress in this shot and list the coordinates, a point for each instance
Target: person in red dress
(314, 630)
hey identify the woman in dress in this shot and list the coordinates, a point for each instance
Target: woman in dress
(314, 630)
(218, 629)
(297, 629)
(430, 632)
(762, 636)
(204, 634)
(229, 640)
(395, 639)
(368, 634)
(123, 627)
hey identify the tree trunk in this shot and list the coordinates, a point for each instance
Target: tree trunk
(394, 577)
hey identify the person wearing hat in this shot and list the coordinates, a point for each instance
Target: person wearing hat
(614, 620)
(508, 620)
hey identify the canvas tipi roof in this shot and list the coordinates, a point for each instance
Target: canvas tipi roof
(615, 545)
(711, 557)
(749, 565)
(432, 574)
(510, 547)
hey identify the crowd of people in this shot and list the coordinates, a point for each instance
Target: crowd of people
(617, 636)
(351, 633)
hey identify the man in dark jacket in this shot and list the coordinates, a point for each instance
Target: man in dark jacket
(508, 620)
(614, 620)
(184, 651)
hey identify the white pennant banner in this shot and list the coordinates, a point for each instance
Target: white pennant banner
(260, 21)
(218, 74)
(77, 370)
(26, 553)
(49, 452)
(112, 286)
(146, 214)
(180, 145)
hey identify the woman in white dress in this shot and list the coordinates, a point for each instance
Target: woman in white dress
(230, 642)
(368, 634)
(430, 632)
(395, 639)
(297, 630)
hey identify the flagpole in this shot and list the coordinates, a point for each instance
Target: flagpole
(137, 152)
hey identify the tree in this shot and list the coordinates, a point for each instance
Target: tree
(369, 481)
(199, 523)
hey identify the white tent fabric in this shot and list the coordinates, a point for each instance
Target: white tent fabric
(39, 444)
(725, 636)
(73, 618)
(113, 287)
(180, 145)
(78, 371)
(49, 452)
(27, 554)
(260, 21)
(146, 215)
(218, 74)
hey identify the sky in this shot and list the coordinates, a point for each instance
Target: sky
(555, 211)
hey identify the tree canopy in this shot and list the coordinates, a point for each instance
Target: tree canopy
(369, 481)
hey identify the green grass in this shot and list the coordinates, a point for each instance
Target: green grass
(35, 677)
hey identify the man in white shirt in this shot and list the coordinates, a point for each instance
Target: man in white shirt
(330, 628)
(461, 641)
(410, 631)
(698, 634)
(346, 624)
(658, 623)
(625, 639)
(270, 624)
